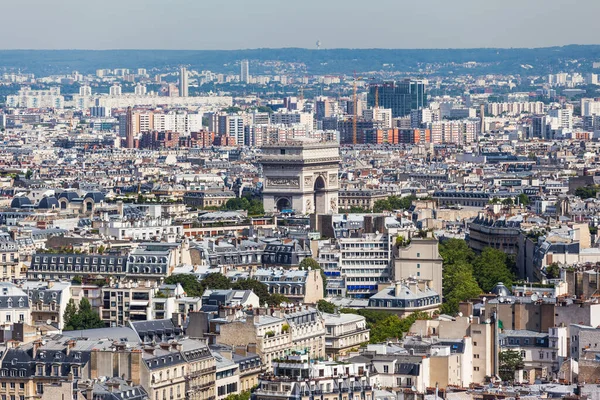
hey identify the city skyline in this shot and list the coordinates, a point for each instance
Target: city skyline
(336, 24)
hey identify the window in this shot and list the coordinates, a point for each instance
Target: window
(385, 369)
(418, 254)
(475, 368)
(40, 388)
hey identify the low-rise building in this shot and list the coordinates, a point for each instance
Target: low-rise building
(295, 377)
(344, 333)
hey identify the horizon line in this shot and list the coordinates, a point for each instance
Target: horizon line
(313, 49)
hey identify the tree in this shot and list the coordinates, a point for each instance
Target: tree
(259, 289)
(313, 264)
(216, 281)
(325, 306)
(459, 285)
(523, 199)
(76, 280)
(393, 203)
(253, 206)
(490, 268)
(241, 396)
(553, 271)
(586, 192)
(309, 262)
(510, 361)
(90, 318)
(508, 201)
(456, 250)
(69, 315)
(84, 318)
(28, 174)
(276, 299)
(188, 282)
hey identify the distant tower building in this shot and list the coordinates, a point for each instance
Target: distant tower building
(401, 97)
(85, 90)
(482, 119)
(245, 71)
(129, 129)
(115, 90)
(140, 90)
(183, 82)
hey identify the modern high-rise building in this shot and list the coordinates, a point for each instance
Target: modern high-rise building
(401, 97)
(245, 71)
(183, 82)
(129, 129)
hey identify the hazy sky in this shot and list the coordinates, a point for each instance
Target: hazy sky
(240, 24)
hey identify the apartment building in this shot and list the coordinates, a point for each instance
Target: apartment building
(296, 377)
(419, 259)
(365, 263)
(344, 333)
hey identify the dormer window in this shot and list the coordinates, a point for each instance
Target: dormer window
(4, 291)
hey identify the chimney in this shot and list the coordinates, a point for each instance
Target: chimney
(165, 346)
(398, 289)
(252, 348)
(176, 346)
(36, 347)
(241, 350)
(70, 344)
(90, 392)
(149, 350)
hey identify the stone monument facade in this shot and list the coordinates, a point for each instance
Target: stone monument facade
(301, 176)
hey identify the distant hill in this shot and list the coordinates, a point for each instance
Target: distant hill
(335, 61)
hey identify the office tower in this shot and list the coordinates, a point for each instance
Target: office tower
(115, 90)
(85, 90)
(379, 114)
(563, 117)
(401, 97)
(129, 129)
(538, 126)
(142, 72)
(140, 90)
(245, 71)
(482, 119)
(98, 111)
(324, 107)
(183, 82)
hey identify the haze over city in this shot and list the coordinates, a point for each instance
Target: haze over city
(238, 24)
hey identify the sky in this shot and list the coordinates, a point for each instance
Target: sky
(244, 24)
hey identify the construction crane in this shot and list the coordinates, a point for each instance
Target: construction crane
(355, 111)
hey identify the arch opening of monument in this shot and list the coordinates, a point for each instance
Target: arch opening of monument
(320, 196)
(283, 204)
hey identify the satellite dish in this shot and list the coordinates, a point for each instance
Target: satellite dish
(501, 299)
(535, 297)
(414, 389)
(48, 321)
(488, 321)
(460, 314)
